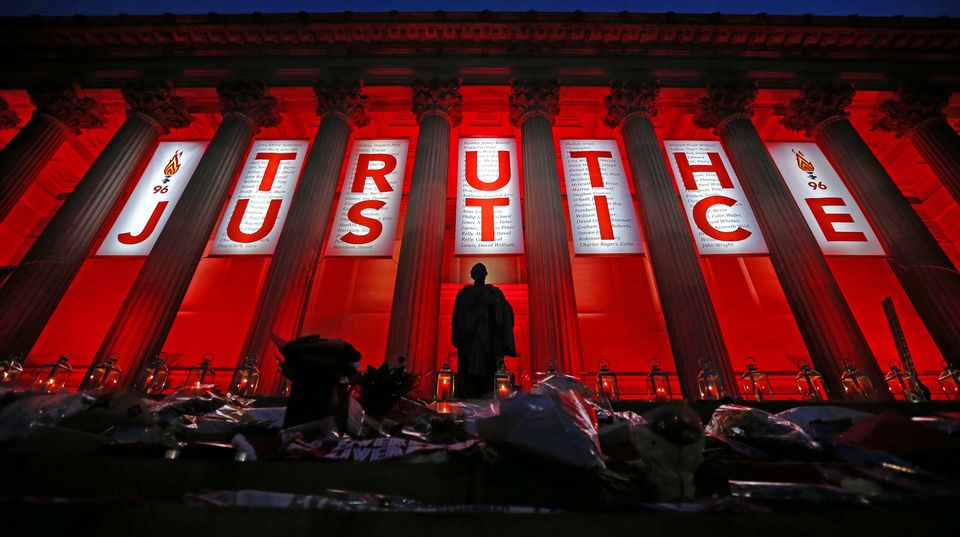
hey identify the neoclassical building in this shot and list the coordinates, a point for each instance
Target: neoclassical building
(672, 190)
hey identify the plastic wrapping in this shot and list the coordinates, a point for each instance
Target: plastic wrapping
(823, 422)
(670, 443)
(18, 418)
(343, 500)
(370, 450)
(755, 426)
(536, 423)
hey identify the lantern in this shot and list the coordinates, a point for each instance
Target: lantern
(53, 377)
(607, 386)
(10, 371)
(201, 374)
(949, 380)
(756, 382)
(247, 377)
(153, 378)
(106, 376)
(445, 383)
(709, 382)
(855, 383)
(659, 382)
(502, 382)
(810, 383)
(902, 384)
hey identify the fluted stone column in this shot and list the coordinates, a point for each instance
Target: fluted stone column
(825, 321)
(286, 289)
(927, 275)
(147, 313)
(554, 327)
(917, 114)
(31, 294)
(688, 312)
(415, 312)
(60, 110)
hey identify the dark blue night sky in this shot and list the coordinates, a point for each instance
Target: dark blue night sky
(915, 8)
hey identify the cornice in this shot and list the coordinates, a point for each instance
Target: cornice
(398, 48)
(461, 30)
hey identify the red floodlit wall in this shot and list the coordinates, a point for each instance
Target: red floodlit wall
(619, 310)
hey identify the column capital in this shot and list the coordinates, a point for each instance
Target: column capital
(817, 104)
(438, 97)
(65, 103)
(157, 101)
(345, 99)
(629, 99)
(250, 100)
(910, 108)
(8, 118)
(724, 101)
(534, 97)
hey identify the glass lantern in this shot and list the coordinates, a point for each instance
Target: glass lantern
(902, 384)
(709, 383)
(949, 380)
(153, 378)
(53, 377)
(106, 376)
(856, 384)
(502, 382)
(10, 371)
(607, 386)
(247, 377)
(756, 382)
(445, 383)
(810, 383)
(201, 374)
(658, 381)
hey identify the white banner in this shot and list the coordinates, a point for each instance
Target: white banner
(830, 210)
(716, 206)
(261, 199)
(601, 208)
(149, 206)
(488, 198)
(366, 220)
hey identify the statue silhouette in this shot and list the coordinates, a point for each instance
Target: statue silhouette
(482, 334)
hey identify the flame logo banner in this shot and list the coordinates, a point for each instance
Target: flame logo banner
(173, 166)
(803, 163)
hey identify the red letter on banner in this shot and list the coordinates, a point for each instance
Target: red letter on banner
(603, 218)
(486, 214)
(503, 172)
(826, 220)
(716, 166)
(700, 217)
(355, 216)
(593, 165)
(273, 164)
(128, 238)
(379, 176)
(269, 220)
